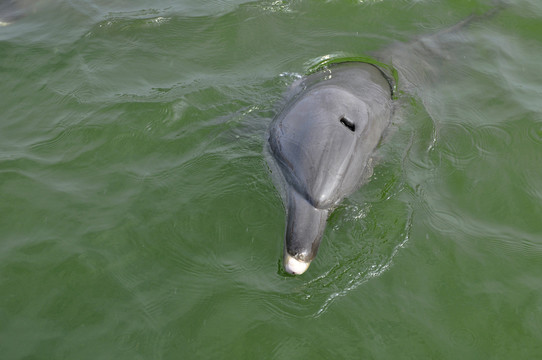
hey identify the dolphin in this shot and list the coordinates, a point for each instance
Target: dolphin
(322, 142)
(323, 139)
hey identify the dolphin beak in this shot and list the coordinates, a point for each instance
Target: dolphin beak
(294, 266)
(304, 230)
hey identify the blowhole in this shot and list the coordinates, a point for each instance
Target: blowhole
(349, 124)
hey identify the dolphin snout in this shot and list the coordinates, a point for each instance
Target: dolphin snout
(304, 230)
(294, 266)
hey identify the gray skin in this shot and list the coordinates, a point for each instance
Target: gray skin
(12, 10)
(9, 11)
(322, 142)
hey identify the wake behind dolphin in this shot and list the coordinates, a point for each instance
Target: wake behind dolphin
(323, 139)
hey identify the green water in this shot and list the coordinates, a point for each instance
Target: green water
(138, 218)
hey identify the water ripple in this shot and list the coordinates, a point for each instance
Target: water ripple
(456, 140)
(535, 132)
(493, 140)
(355, 280)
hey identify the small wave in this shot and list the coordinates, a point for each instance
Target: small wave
(492, 140)
(354, 280)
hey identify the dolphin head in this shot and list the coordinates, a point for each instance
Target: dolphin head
(322, 142)
(316, 142)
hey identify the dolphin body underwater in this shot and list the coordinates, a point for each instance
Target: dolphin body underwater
(12, 10)
(323, 139)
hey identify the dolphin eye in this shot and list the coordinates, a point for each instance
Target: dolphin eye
(349, 124)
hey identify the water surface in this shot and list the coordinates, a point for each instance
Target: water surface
(138, 218)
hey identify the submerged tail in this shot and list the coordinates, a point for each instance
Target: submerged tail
(418, 62)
